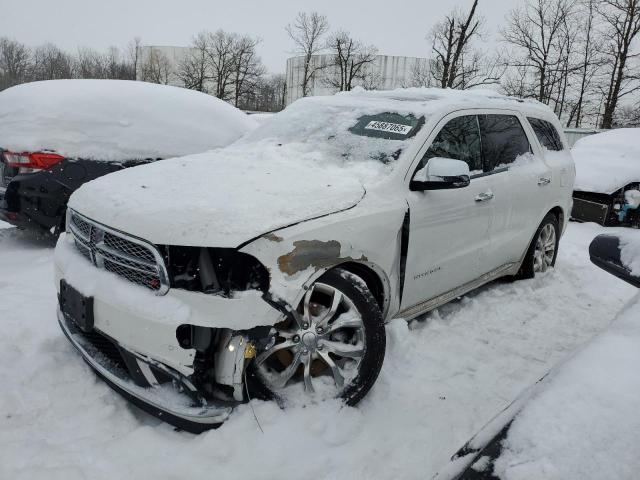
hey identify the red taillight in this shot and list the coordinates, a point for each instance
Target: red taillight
(32, 161)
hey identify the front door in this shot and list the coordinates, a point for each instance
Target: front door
(449, 229)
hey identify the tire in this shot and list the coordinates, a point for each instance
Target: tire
(532, 260)
(306, 341)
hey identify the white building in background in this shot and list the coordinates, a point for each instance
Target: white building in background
(386, 72)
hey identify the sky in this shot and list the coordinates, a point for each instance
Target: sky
(395, 27)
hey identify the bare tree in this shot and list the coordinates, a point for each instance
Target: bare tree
(516, 82)
(590, 60)
(14, 63)
(455, 63)
(421, 75)
(50, 63)
(221, 52)
(247, 67)
(567, 65)
(88, 64)
(194, 69)
(451, 38)
(351, 61)
(622, 19)
(156, 68)
(267, 94)
(307, 32)
(133, 53)
(535, 30)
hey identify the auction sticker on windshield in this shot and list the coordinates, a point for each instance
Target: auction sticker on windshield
(388, 127)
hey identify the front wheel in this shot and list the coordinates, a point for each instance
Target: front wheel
(333, 345)
(543, 251)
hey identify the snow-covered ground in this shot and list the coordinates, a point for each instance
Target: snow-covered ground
(444, 377)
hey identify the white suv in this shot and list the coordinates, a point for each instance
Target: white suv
(270, 267)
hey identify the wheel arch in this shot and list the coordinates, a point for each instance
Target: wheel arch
(560, 215)
(375, 279)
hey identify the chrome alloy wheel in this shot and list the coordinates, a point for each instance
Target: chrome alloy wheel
(545, 249)
(325, 337)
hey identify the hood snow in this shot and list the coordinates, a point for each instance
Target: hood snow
(607, 161)
(116, 120)
(221, 198)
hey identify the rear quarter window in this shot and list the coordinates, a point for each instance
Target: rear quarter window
(546, 133)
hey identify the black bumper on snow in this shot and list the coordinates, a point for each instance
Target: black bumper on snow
(124, 371)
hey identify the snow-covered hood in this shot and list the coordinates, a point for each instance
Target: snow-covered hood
(607, 161)
(221, 198)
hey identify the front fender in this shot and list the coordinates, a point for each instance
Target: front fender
(297, 256)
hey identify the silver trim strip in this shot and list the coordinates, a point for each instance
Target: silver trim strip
(428, 305)
(209, 414)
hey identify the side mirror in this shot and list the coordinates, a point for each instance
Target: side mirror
(605, 253)
(441, 173)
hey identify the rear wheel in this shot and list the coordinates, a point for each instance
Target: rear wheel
(333, 345)
(543, 250)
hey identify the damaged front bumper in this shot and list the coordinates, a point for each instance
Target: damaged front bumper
(169, 395)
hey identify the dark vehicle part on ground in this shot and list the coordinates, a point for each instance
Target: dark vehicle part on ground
(621, 208)
(605, 253)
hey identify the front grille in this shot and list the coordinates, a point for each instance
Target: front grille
(135, 260)
(128, 247)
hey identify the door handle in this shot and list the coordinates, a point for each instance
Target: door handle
(542, 181)
(484, 196)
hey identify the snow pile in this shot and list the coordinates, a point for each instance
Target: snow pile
(585, 423)
(607, 161)
(115, 119)
(632, 198)
(443, 378)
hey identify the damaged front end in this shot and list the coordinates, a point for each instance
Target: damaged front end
(178, 347)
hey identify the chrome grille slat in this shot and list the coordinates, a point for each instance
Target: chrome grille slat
(133, 259)
(134, 262)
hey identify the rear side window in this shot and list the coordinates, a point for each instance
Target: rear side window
(547, 134)
(459, 139)
(503, 140)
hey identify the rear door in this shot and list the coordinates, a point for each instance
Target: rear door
(519, 187)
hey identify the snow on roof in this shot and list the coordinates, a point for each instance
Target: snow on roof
(430, 100)
(115, 119)
(607, 161)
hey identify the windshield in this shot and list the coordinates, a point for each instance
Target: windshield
(340, 133)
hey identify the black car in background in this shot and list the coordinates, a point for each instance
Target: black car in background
(35, 186)
(57, 135)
